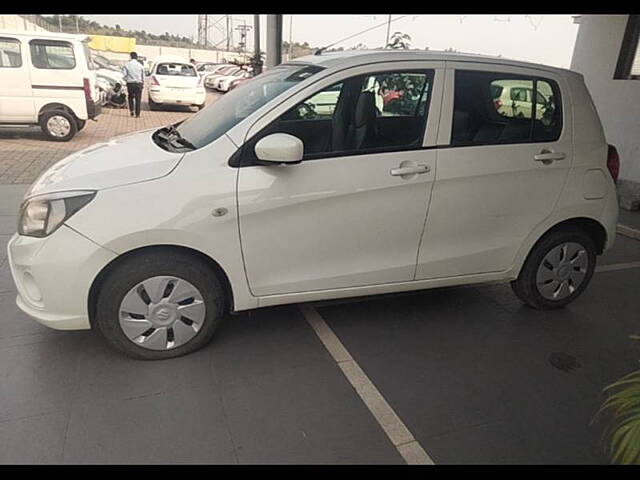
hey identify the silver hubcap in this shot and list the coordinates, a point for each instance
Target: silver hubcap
(162, 313)
(58, 126)
(562, 271)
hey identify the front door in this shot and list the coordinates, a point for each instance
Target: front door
(16, 100)
(353, 211)
(500, 171)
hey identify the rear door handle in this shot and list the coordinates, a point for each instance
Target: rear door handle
(413, 170)
(547, 156)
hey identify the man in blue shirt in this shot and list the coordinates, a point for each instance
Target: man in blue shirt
(134, 77)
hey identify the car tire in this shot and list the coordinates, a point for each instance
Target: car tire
(58, 125)
(153, 106)
(200, 107)
(176, 326)
(557, 270)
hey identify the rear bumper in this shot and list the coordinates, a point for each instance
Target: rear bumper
(93, 109)
(177, 97)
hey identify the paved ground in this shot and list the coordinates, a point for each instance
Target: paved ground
(25, 153)
(474, 375)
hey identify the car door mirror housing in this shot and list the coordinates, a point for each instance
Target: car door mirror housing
(279, 148)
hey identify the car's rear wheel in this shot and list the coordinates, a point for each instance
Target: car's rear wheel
(152, 105)
(557, 270)
(159, 305)
(58, 125)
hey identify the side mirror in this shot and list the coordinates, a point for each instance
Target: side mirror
(280, 148)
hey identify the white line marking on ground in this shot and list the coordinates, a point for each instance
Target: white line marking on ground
(617, 266)
(628, 231)
(393, 426)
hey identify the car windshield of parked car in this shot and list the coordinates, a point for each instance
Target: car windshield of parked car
(209, 124)
(176, 69)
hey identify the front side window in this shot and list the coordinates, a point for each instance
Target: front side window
(498, 108)
(10, 54)
(364, 114)
(52, 55)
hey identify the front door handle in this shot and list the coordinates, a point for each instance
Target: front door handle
(547, 156)
(412, 170)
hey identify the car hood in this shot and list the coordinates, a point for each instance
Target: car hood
(126, 159)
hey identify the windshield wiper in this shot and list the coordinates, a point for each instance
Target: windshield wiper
(172, 130)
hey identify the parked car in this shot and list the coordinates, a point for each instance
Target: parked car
(205, 68)
(256, 202)
(513, 98)
(237, 82)
(53, 86)
(210, 79)
(222, 83)
(174, 81)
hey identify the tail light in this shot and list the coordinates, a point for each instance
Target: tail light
(154, 81)
(497, 103)
(86, 85)
(613, 162)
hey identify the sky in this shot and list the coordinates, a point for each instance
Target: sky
(547, 39)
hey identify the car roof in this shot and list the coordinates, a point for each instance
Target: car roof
(45, 34)
(352, 58)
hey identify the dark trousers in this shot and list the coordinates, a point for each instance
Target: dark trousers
(134, 91)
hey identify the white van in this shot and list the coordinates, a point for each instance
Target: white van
(175, 81)
(47, 79)
(259, 200)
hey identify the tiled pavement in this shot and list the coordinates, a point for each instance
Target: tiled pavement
(26, 152)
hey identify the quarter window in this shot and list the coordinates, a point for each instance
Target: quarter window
(10, 54)
(497, 108)
(52, 54)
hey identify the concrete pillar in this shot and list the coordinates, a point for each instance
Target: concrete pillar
(274, 40)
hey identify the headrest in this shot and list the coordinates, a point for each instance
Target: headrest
(365, 109)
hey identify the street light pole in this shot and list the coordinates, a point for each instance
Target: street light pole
(257, 61)
(274, 40)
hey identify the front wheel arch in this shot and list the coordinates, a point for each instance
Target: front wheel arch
(207, 260)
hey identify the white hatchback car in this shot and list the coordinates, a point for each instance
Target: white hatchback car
(174, 81)
(257, 200)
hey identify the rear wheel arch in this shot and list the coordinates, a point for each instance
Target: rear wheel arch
(591, 227)
(186, 251)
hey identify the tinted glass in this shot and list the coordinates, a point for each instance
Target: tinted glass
(498, 108)
(176, 69)
(364, 114)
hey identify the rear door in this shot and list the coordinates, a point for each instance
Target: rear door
(499, 172)
(16, 100)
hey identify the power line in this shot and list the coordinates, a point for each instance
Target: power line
(386, 22)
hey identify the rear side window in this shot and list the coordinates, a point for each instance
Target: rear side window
(10, 54)
(52, 55)
(498, 108)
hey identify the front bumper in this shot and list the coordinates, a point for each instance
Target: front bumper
(53, 276)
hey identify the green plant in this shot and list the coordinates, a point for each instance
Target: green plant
(622, 434)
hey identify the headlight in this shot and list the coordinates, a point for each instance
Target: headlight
(41, 216)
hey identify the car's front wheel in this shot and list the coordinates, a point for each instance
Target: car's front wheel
(557, 270)
(160, 304)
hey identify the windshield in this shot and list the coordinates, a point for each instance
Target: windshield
(176, 69)
(209, 124)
